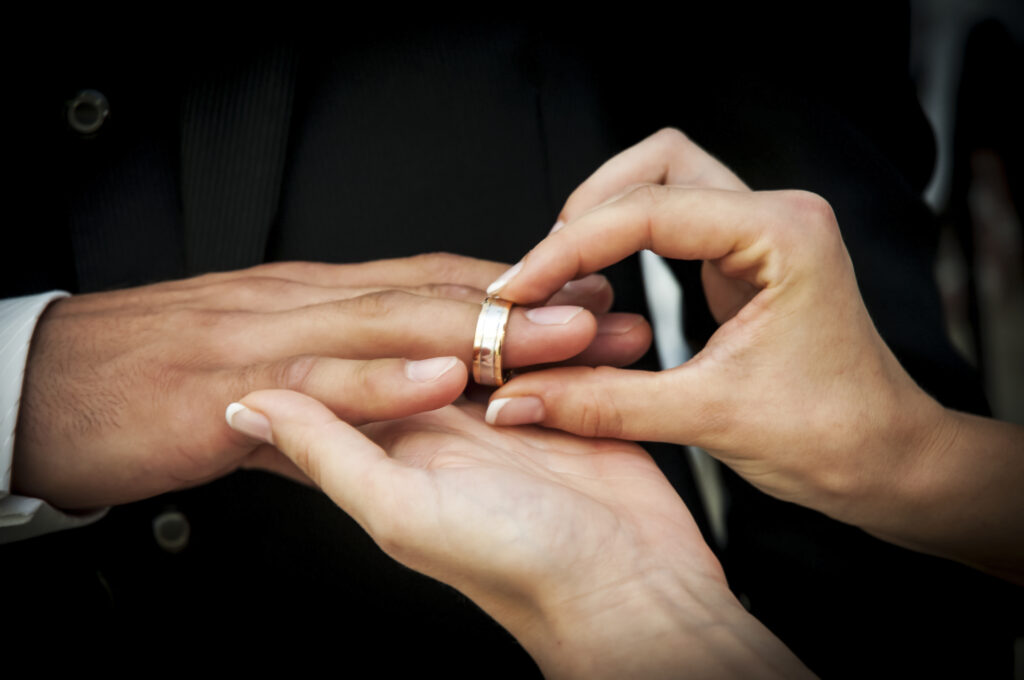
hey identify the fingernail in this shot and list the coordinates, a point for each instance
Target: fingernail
(504, 278)
(248, 422)
(586, 285)
(429, 369)
(558, 225)
(558, 315)
(515, 411)
(616, 325)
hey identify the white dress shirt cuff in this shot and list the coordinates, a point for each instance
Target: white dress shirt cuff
(20, 516)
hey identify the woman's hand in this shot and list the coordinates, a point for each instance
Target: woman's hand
(580, 547)
(122, 388)
(795, 391)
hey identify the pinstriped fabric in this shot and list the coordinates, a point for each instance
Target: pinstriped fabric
(125, 219)
(234, 137)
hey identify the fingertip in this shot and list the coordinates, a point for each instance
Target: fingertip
(250, 423)
(232, 409)
(555, 315)
(278, 405)
(330, 451)
(505, 278)
(439, 380)
(429, 370)
(515, 411)
(593, 402)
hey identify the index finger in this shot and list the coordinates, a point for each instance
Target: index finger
(676, 222)
(666, 157)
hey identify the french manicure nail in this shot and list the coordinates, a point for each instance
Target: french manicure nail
(248, 422)
(557, 315)
(515, 411)
(504, 278)
(558, 225)
(429, 369)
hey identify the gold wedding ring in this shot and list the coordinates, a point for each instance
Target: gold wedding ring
(489, 340)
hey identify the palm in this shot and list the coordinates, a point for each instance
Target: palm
(521, 506)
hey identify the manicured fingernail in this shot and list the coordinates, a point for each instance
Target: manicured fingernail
(249, 422)
(616, 325)
(504, 278)
(558, 225)
(587, 285)
(429, 369)
(558, 315)
(515, 411)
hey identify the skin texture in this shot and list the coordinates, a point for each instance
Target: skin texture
(579, 547)
(123, 390)
(795, 391)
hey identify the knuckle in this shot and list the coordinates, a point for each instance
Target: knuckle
(647, 195)
(598, 414)
(671, 137)
(647, 200)
(811, 229)
(214, 335)
(293, 373)
(442, 266)
(808, 207)
(378, 303)
(365, 377)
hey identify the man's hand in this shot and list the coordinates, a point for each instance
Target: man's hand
(122, 389)
(580, 547)
(795, 391)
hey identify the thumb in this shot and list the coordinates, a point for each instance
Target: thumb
(603, 402)
(356, 473)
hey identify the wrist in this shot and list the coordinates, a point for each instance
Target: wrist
(961, 497)
(892, 462)
(659, 623)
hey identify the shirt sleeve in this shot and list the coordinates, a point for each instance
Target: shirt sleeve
(20, 516)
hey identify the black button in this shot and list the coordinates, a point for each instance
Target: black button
(87, 112)
(171, 531)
